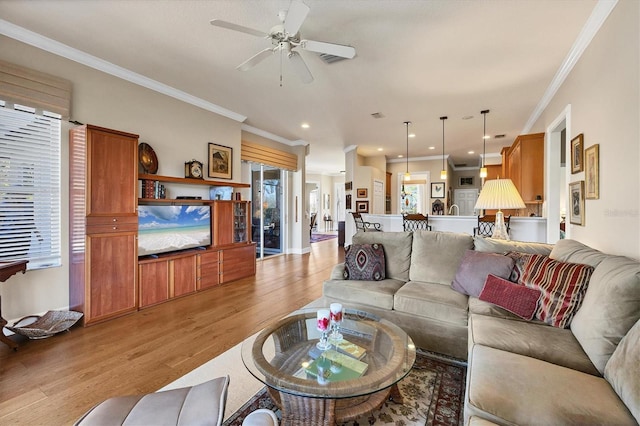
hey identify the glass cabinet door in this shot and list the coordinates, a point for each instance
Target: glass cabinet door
(240, 214)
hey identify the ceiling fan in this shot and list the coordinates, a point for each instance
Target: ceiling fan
(285, 38)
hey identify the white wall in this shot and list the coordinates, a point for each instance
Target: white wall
(603, 91)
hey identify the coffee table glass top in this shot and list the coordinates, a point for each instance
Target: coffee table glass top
(284, 356)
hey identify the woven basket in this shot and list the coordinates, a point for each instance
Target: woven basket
(46, 325)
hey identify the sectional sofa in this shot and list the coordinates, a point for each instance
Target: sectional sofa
(583, 368)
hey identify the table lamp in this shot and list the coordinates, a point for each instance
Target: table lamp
(499, 194)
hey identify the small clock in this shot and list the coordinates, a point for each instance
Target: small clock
(193, 169)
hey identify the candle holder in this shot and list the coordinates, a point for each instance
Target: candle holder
(323, 327)
(335, 310)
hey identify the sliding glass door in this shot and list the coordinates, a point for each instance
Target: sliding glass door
(267, 204)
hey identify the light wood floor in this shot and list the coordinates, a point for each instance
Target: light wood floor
(54, 381)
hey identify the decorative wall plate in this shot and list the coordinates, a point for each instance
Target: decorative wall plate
(147, 158)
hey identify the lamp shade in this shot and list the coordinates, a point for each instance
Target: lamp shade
(499, 194)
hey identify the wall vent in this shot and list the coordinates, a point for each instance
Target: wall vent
(460, 165)
(377, 115)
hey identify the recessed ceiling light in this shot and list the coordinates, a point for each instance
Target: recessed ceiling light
(486, 137)
(379, 149)
(400, 155)
(432, 147)
(471, 152)
(305, 125)
(412, 135)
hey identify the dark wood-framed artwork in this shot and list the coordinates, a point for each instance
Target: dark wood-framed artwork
(592, 172)
(362, 192)
(348, 186)
(577, 154)
(466, 181)
(220, 161)
(576, 198)
(348, 202)
(437, 189)
(362, 206)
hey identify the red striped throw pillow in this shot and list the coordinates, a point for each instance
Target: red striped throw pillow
(563, 286)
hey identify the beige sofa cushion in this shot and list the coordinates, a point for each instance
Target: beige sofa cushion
(503, 246)
(435, 256)
(397, 250)
(509, 388)
(536, 340)
(623, 370)
(611, 306)
(431, 300)
(373, 293)
(575, 252)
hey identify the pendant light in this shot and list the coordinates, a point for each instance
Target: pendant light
(407, 176)
(443, 172)
(483, 169)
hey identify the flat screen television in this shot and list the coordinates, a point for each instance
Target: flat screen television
(163, 229)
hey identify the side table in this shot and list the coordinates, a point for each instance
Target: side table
(328, 223)
(8, 269)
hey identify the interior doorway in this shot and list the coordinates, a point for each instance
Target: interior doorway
(556, 175)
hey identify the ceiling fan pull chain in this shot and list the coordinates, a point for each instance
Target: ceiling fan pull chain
(280, 67)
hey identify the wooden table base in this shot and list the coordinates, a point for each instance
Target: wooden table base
(7, 269)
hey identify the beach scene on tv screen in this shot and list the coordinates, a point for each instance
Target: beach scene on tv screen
(171, 228)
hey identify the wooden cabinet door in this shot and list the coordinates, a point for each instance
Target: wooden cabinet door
(208, 269)
(153, 280)
(111, 264)
(238, 262)
(222, 223)
(112, 172)
(183, 275)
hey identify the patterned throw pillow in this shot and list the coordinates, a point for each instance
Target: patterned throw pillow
(364, 262)
(515, 298)
(519, 261)
(563, 286)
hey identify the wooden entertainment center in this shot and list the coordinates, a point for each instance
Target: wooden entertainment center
(106, 277)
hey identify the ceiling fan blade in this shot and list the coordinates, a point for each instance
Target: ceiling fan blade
(300, 67)
(296, 15)
(236, 27)
(329, 48)
(255, 59)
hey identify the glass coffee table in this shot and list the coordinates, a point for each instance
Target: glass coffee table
(312, 386)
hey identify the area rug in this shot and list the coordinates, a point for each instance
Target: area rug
(433, 395)
(321, 237)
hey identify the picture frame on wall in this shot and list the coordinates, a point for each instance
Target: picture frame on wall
(592, 172)
(466, 181)
(348, 186)
(362, 206)
(577, 154)
(576, 198)
(220, 161)
(362, 193)
(437, 189)
(348, 202)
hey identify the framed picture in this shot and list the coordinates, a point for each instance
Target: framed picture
(362, 192)
(348, 202)
(577, 153)
(576, 198)
(362, 206)
(348, 186)
(437, 189)
(466, 181)
(220, 161)
(592, 172)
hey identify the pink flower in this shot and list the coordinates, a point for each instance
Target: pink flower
(323, 323)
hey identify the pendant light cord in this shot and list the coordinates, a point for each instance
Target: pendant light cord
(443, 118)
(484, 136)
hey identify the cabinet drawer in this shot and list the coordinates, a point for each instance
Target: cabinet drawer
(106, 224)
(238, 263)
(208, 269)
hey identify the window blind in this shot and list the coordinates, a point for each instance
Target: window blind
(29, 186)
(269, 156)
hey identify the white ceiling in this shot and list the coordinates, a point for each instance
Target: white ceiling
(416, 61)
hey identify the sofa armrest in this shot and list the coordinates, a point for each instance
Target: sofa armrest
(337, 273)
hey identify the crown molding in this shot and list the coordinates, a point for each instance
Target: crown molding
(599, 14)
(268, 135)
(49, 45)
